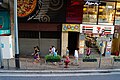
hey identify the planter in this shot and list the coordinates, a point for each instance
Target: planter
(117, 60)
(89, 60)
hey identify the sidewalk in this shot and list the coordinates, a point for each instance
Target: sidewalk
(26, 64)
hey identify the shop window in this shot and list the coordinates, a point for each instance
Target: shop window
(106, 13)
(29, 34)
(90, 11)
(117, 16)
(51, 34)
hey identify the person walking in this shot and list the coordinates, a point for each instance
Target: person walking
(67, 51)
(53, 49)
(36, 55)
(88, 51)
(76, 53)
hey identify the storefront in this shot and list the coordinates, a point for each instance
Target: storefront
(97, 35)
(103, 12)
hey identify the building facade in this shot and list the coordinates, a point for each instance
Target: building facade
(42, 25)
(41, 22)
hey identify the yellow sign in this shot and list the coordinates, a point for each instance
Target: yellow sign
(71, 27)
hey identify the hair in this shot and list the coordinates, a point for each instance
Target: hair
(52, 46)
(77, 49)
(37, 47)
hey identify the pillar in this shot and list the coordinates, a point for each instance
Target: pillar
(64, 43)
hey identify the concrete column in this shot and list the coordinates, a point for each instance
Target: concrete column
(11, 3)
(64, 43)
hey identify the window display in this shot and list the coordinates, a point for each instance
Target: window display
(117, 16)
(106, 13)
(90, 12)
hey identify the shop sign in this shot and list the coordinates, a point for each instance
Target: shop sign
(71, 27)
(97, 29)
(4, 32)
(92, 3)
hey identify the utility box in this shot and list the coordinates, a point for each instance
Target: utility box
(6, 47)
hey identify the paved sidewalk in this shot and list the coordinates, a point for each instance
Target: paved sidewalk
(27, 64)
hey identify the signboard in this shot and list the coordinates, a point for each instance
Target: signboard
(74, 12)
(2, 32)
(96, 29)
(71, 27)
(6, 47)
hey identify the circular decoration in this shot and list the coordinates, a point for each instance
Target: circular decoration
(76, 27)
(72, 28)
(65, 28)
(68, 26)
(25, 7)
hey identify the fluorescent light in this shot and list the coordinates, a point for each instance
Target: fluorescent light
(109, 6)
(0, 2)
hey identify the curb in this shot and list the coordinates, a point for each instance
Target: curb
(59, 71)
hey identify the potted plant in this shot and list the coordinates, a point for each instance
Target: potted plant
(89, 59)
(51, 58)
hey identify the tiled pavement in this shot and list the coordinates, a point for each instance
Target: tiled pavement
(27, 64)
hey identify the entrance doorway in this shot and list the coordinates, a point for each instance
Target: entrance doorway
(73, 42)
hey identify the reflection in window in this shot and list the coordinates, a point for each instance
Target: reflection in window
(106, 13)
(117, 16)
(90, 13)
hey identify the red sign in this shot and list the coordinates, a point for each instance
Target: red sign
(74, 11)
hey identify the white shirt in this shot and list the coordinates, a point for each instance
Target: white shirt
(53, 49)
(76, 53)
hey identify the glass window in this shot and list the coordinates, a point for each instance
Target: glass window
(117, 16)
(106, 13)
(90, 11)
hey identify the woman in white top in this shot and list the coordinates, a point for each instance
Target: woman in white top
(76, 53)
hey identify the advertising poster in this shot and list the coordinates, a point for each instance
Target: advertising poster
(82, 43)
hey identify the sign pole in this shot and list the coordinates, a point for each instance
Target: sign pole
(1, 56)
(16, 36)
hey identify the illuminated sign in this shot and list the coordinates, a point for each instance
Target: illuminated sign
(92, 3)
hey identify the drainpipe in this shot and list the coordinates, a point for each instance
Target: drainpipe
(16, 36)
